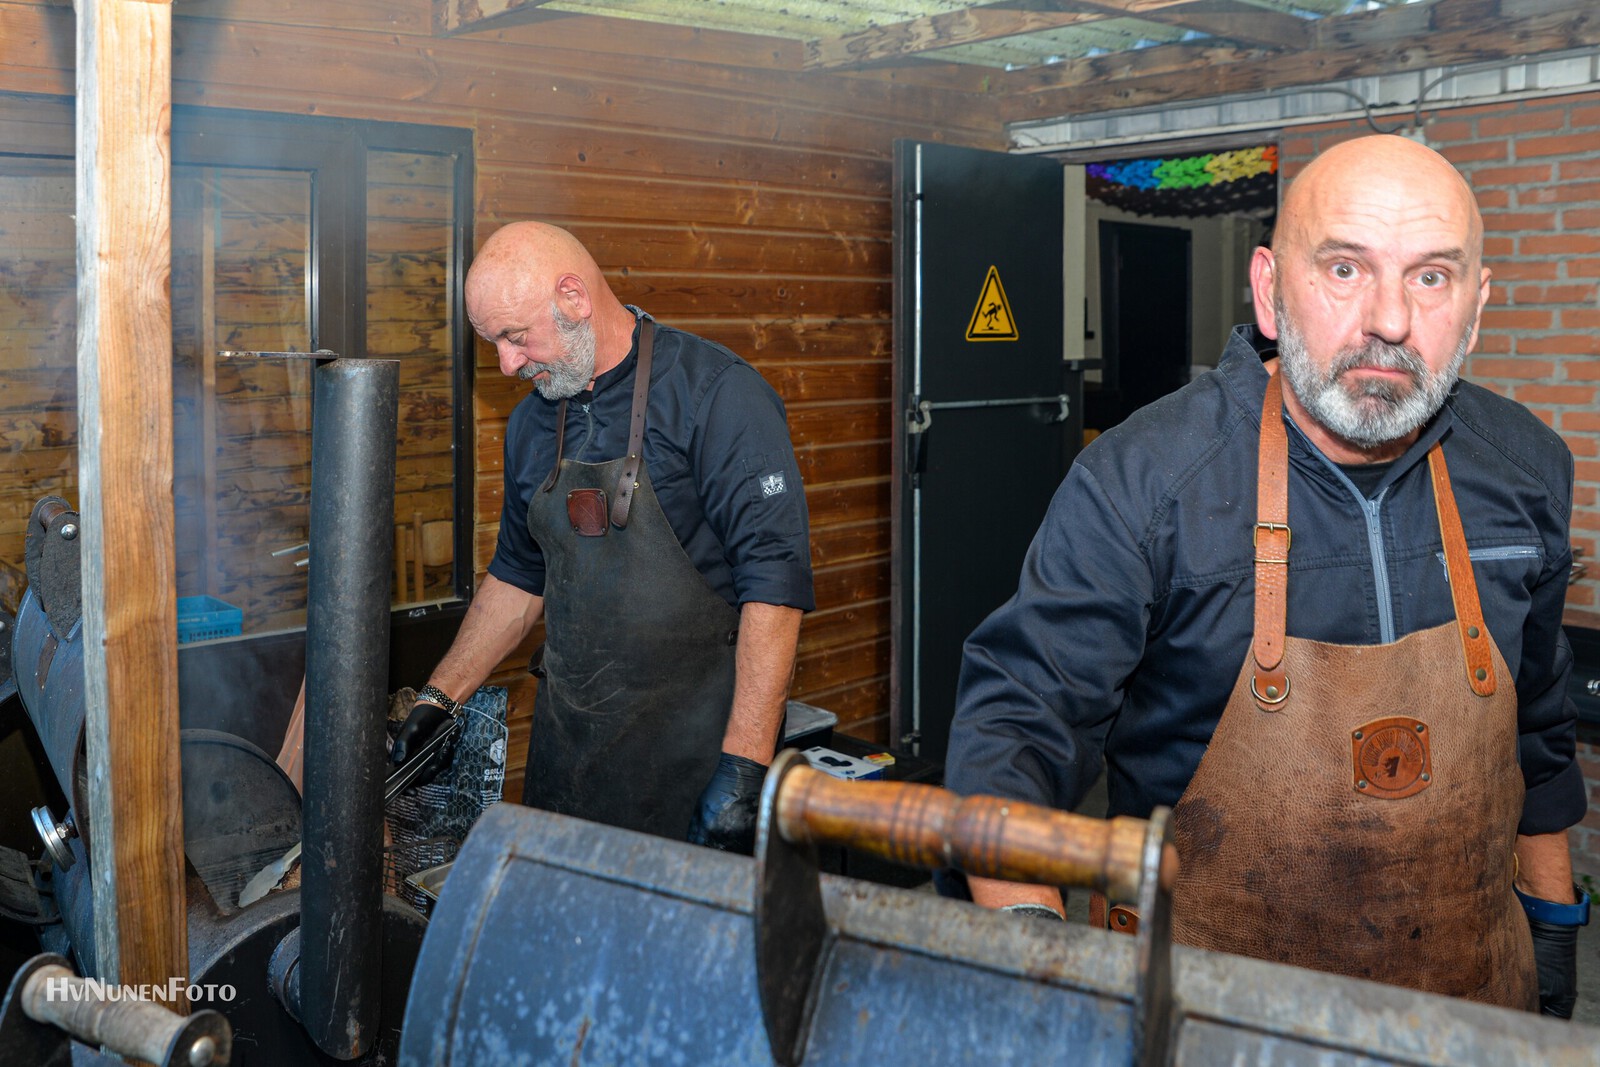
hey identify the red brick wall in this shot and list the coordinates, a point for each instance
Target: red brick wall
(1535, 166)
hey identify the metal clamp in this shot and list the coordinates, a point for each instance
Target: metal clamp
(55, 835)
(1156, 1012)
(793, 937)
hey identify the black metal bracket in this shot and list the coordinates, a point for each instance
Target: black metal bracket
(1156, 1012)
(51, 555)
(792, 935)
(8, 677)
(21, 1039)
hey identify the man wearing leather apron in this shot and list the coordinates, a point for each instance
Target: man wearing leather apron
(655, 520)
(1312, 602)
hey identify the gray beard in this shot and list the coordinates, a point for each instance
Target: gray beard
(571, 373)
(1369, 413)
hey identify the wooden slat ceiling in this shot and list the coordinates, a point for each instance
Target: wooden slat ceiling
(1045, 58)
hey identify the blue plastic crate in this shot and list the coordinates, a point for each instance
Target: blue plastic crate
(202, 618)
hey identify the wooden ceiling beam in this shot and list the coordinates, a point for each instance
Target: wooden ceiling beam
(904, 40)
(1010, 18)
(1446, 33)
(453, 17)
(1228, 20)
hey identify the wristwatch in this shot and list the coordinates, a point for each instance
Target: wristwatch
(432, 694)
(1556, 914)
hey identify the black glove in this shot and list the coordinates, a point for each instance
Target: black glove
(1555, 952)
(424, 721)
(725, 817)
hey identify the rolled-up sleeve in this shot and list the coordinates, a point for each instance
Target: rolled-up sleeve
(1042, 679)
(750, 489)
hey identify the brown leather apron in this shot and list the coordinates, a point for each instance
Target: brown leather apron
(1356, 809)
(638, 666)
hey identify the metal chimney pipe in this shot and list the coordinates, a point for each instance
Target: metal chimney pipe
(354, 422)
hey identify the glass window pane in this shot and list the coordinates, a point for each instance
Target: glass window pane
(410, 236)
(38, 342)
(241, 243)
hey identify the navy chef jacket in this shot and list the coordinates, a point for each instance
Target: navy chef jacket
(1135, 607)
(717, 449)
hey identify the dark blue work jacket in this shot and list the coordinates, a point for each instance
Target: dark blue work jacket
(1134, 610)
(717, 449)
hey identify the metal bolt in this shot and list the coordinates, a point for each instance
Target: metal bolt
(69, 531)
(1358, 735)
(1361, 784)
(1420, 727)
(1472, 631)
(1427, 777)
(1480, 674)
(1272, 692)
(203, 1052)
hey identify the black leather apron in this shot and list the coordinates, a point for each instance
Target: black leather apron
(639, 649)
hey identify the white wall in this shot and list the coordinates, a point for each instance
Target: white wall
(1219, 276)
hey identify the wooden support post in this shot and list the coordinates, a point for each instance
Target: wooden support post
(124, 109)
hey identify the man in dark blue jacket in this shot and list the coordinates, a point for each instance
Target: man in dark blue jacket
(655, 520)
(1255, 602)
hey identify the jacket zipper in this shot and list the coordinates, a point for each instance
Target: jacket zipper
(1371, 509)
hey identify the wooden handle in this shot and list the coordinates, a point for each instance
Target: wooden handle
(924, 826)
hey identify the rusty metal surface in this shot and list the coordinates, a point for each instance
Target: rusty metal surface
(558, 940)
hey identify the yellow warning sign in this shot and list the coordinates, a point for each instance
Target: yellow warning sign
(991, 319)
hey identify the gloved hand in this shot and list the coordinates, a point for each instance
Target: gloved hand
(725, 816)
(424, 721)
(1555, 953)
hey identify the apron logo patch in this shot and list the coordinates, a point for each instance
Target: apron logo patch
(772, 484)
(1392, 757)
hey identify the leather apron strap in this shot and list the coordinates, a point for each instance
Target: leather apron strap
(1463, 585)
(1270, 683)
(628, 481)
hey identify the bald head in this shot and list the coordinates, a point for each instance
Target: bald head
(530, 257)
(1382, 174)
(530, 281)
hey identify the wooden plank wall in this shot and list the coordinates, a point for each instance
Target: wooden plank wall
(746, 204)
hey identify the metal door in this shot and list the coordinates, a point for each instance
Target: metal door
(988, 405)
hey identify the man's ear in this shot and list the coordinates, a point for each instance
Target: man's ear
(1483, 302)
(1263, 278)
(572, 296)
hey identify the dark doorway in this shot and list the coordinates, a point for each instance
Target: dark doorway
(1144, 313)
(990, 408)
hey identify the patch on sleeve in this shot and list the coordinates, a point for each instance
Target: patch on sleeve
(772, 484)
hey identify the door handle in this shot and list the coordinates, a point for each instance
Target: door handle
(920, 417)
